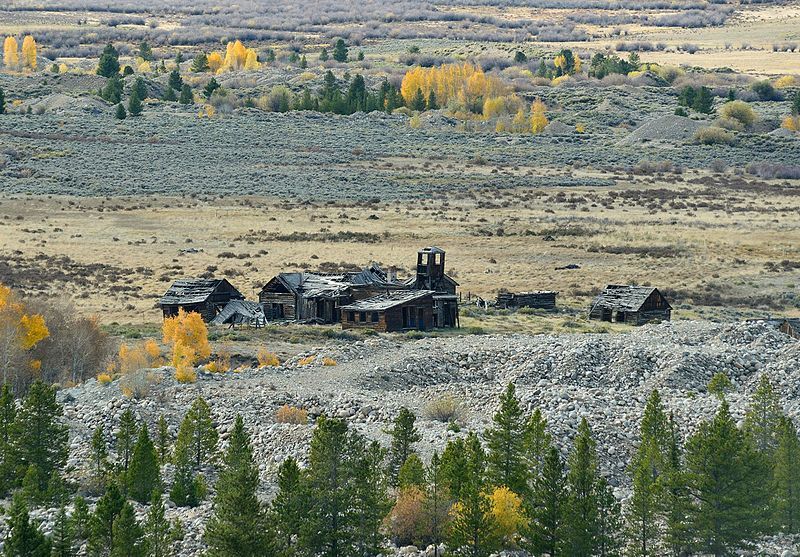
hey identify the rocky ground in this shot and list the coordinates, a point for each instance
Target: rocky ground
(605, 378)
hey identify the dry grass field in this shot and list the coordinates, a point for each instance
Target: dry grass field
(720, 245)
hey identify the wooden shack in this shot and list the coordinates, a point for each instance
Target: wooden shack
(539, 299)
(240, 312)
(317, 297)
(398, 310)
(634, 305)
(790, 327)
(204, 296)
(431, 275)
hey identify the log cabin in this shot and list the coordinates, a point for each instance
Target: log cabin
(634, 305)
(204, 296)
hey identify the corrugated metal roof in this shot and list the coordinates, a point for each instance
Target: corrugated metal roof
(387, 300)
(623, 297)
(193, 291)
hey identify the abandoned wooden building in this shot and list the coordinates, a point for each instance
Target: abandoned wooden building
(790, 327)
(539, 299)
(318, 297)
(205, 296)
(398, 310)
(634, 305)
(241, 312)
(431, 275)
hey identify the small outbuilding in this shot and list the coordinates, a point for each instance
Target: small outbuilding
(790, 327)
(204, 296)
(634, 305)
(539, 299)
(397, 310)
(241, 312)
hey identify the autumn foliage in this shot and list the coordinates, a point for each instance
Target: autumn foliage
(509, 515)
(237, 57)
(187, 335)
(142, 355)
(29, 52)
(465, 84)
(20, 331)
(11, 53)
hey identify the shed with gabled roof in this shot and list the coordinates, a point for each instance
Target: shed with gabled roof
(634, 305)
(204, 296)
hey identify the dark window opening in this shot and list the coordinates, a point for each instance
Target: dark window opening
(374, 316)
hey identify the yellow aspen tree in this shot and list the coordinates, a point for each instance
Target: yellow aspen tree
(538, 119)
(509, 515)
(791, 123)
(578, 64)
(20, 332)
(520, 122)
(11, 53)
(215, 62)
(251, 60)
(187, 334)
(29, 52)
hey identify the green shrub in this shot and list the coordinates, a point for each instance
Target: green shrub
(713, 136)
(739, 111)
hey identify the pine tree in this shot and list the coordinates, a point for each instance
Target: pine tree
(582, 508)
(140, 88)
(329, 484)
(703, 101)
(186, 95)
(303, 62)
(99, 450)
(412, 473)
(728, 479)
(108, 65)
(200, 63)
(676, 504)
(340, 51)
(169, 95)
(548, 501)
(454, 467)
(162, 440)
(63, 544)
(609, 524)
(437, 501)
(127, 539)
(175, 82)
(145, 51)
(323, 55)
(472, 531)
(112, 91)
(2, 103)
(506, 444)
(764, 416)
(418, 101)
(125, 439)
(537, 443)
(238, 527)
(23, 538)
(795, 104)
(431, 103)
(370, 501)
(197, 435)
(186, 488)
(134, 105)
(101, 523)
(787, 478)
(643, 511)
(143, 473)
(287, 507)
(404, 435)
(81, 518)
(655, 424)
(8, 456)
(157, 532)
(120, 113)
(41, 439)
(210, 87)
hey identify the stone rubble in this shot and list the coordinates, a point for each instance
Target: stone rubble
(605, 378)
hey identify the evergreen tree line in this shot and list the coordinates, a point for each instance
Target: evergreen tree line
(715, 492)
